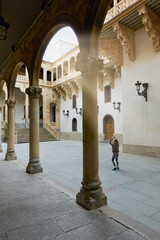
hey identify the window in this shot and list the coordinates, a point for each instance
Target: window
(54, 74)
(41, 73)
(74, 101)
(41, 112)
(52, 112)
(74, 124)
(48, 76)
(107, 94)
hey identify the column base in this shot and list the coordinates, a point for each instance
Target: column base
(33, 168)
(10, 155)
(91, 195)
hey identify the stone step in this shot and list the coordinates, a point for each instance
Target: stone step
(23, 135)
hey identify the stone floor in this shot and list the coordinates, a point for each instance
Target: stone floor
(42, 206)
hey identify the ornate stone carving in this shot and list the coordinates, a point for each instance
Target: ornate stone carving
(109, 76)
(112, 50)
(61, 92)
(151, 22)
(100, 80)
(74, 88)
(34, 91)
(67, 90)
(89, 64)
(78, 83)
(126, 37)
(118, 70)
(118, 8)
(10, 102)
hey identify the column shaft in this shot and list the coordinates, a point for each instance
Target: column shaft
(10, 155)
(34, 165)
(26, 110)
(90, 195)
(0, 129)
(90, 126)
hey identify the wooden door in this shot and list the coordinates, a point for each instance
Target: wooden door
(108, 130)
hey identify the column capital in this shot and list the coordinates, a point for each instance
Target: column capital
(89, 64)
(11, 103)
(34, 91)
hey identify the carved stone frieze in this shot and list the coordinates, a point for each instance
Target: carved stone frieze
(74, 88)
(67, 90)
(112, 50)
(151, 22)
(89, 64)
(78, 82)
(109, 76)
(10, 102)
(118, 70)
(61, 92)
(100, 80)
(126, 37)
(34, 91)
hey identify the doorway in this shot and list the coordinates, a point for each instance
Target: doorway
(108, 127)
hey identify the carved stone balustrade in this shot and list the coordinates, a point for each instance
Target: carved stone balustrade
(118, 8)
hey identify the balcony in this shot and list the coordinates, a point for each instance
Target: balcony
(118, 8)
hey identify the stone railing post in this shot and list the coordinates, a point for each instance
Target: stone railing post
(34, 165)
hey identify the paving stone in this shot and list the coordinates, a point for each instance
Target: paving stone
(3, 237)
(101, 229)
(127, 235)
(57, 209)
(39, 231)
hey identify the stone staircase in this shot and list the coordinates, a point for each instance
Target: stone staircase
(23, 135)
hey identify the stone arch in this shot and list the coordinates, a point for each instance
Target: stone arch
(62, 21)
(2, 84)
(108, 126)
(13, 77)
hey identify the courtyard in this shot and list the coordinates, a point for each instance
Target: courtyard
(134, 190)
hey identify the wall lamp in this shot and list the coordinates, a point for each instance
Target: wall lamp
(116, 106)
(79, 112)
(144, 92)
(66, 113)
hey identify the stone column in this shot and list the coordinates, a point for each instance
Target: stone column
(56, 73)
(34, 165)
(69, 67)
(26, 110)
(10, 155)
(0, 129)
(90, 195)
(115, 4)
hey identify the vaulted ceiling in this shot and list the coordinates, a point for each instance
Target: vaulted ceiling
(20, 14)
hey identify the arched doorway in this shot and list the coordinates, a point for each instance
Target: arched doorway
(108, 127)
(74, 125)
